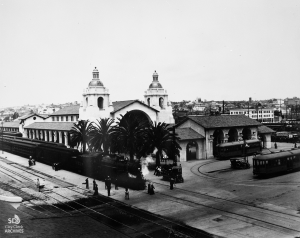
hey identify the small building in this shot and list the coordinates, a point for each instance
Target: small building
(200, 134)
(260, 114)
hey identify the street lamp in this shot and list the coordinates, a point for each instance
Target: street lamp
(2, 136)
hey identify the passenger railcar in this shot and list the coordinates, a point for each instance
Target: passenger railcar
(238, 148)
(276, 162)
(11, 133)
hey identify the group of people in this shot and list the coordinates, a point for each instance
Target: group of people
(107, 186)
(31, 161)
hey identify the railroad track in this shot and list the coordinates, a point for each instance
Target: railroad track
(94, 213)
(71, 208)
(258, 221)
(248, 182)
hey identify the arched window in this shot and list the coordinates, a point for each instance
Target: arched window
(148, 101)
(161, 103)
(100, 102)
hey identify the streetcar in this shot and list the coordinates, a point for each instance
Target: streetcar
(276, 162)
(238, 148)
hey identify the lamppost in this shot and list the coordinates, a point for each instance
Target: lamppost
(296, 109)
(2, 135)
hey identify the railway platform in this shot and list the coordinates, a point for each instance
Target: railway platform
(212, 199)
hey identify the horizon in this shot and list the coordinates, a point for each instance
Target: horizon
(216, 50)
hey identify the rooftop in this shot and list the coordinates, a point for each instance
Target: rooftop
(71, 110)
(188, 134)
(118, 105)
(60, 126)
(222, 121)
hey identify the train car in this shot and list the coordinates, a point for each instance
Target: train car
(35, 140)
(24, 149)
(52, 154)
(11, 133)
(238, 149)
(276, 162)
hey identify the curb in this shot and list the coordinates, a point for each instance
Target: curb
(10, 199)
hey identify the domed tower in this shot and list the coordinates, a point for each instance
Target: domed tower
(157, 98)
(95, 100)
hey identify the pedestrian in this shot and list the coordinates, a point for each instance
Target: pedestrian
(126, 194)
(149, 188)
(53, 166)
(94, 184)
(29, 162)
(96, 189)
(152, 189)
(172, 183)
(105, 182)
(275, 145)
(295, 145)
(116, 184)
(33, 161)
(108, 185)
(38, 184)
(86, 183)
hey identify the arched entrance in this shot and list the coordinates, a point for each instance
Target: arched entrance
(218, 139)
(246, 134)
(137, 114)
(191, 150)
(233, 135)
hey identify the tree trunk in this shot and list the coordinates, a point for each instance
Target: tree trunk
(131, 156)
(157, 158)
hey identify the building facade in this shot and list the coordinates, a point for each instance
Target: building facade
(260, 114)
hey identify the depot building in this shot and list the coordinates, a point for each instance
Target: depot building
(199, 135)
(95, 104)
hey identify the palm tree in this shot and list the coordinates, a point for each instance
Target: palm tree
(101, 135)
(130, 135)
(79, 134)
(162, 140)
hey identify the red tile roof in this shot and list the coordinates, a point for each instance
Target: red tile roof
(222, 121)
(188, 134)
(11, 124)
(58, 126)
(118, 105)
(265, 130)
(72, 110)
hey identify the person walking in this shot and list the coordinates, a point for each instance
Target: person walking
(172, 181)
(152, 189)
(116, 184)
(38, 184)
(108, 185)
(94, 184)
(149, 188)
(86, 183)
(126, 194)
(96, 189)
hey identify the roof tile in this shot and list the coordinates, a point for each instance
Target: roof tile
(223, 121)
(60, 126)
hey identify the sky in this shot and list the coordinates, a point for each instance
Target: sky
(208, 49)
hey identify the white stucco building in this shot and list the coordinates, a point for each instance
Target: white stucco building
(95, 104)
